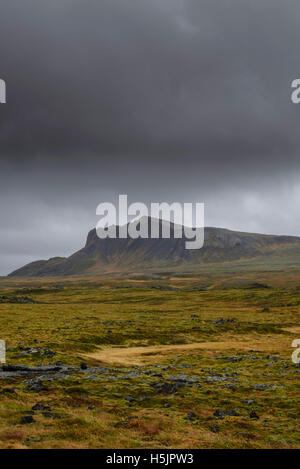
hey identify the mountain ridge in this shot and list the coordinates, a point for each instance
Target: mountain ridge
(104, 255)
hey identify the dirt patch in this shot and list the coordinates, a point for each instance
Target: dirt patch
(152, 354)
(293, 330)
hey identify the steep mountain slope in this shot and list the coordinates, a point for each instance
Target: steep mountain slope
(220, 245)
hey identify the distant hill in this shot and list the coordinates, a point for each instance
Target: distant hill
(106, 255)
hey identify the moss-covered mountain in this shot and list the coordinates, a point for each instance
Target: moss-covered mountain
(220, 245)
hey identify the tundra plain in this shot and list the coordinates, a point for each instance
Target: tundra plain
(161, 360)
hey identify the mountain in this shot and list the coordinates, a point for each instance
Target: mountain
(108, 255)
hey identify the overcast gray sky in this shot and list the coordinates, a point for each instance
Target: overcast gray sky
(165, 100)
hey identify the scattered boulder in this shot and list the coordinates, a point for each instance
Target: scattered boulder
(36, 385)
(42, 407)
(261, 387)
(184, 379)
(129, 398)
(248, 401)
(167, 388)
(38, 351)
(253, 415)
(49, 415)
(26, 419)
(8, 391)
(16, 299)
(220, 414)
(190, 416)
(221, 321)
(75, 390)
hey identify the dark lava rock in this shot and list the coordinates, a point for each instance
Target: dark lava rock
(261, 387)
(223, 321)
(253, 415)
(220, 414)
(258, 285)
(40, 406)
(8, 391)
(167, 388)
(190, 416)
(49, 415)
(27, 419)
(75, 390)
(31, 371)
(16, 299)
(248, 401)
(38, 351)
(232, 359)
(129, 399)
(36, 385)
(183, 379)
(214, 429)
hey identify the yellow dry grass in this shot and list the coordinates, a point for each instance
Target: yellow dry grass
(293, 330)
(153, 354)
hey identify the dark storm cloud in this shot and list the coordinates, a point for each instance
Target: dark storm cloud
(141, 78)
(161, 99)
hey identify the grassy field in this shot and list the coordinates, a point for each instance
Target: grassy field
(166, 361)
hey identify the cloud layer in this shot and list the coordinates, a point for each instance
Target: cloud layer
(182, 100)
